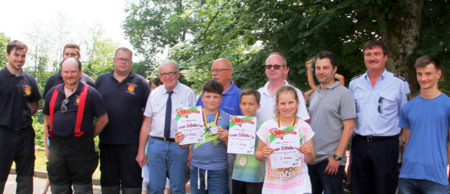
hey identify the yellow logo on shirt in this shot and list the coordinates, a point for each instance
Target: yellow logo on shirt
(27, 90)
(131, 88)
(77, 100)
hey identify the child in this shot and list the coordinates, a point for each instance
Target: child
(209, 166)
(294, 179)
(248, 174)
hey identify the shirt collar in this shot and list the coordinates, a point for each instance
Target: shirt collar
(266, 87)
(231, 90)
(79, 88)
(176, 90)
(332, 86)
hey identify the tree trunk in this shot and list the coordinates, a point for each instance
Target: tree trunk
(402, 38)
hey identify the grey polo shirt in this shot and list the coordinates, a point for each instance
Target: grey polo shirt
(328, 109)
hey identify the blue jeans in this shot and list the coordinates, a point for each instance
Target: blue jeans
(322, 182)
(217, 181)
(411, 186)
(167, 159)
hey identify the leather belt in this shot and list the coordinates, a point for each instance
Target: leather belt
(375, 138)
(164, 139)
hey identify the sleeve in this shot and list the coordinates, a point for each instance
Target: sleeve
(404, 92)
(191, 97)
(302, 111)
(262, 132)
(148, 107)
(310, 133)
(98, 82)
(403, 120)
(145, 92)
(98, 105)
(90, 81)
(347, 106)
(35, 95)
(46, 108)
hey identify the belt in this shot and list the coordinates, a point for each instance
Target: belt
(375, 138)
(164, 139)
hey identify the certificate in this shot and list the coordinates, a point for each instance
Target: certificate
(242, 135)
(285, 143)
(190, 123)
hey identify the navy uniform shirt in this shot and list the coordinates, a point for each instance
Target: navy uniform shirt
(64, 123)
(57, 79)
(15, 94)
(125, 102)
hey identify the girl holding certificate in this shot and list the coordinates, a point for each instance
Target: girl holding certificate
(286, 145)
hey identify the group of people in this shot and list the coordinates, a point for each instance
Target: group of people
(138, 128)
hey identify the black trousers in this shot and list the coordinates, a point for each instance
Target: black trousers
(374, 165)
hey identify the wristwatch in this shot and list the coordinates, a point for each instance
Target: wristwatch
(336, 157)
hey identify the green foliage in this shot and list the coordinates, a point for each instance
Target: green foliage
(38, 125)
(99, 53)
(3, 43)
(246, 31)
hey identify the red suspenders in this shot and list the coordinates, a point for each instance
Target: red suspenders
(81, 105)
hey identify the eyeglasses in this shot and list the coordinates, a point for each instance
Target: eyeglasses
(218, 70)
(64, 105)
(380, 105)
(170, 74)
(122, 60)
(276, 67)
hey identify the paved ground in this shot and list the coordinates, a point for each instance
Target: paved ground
(39, 183)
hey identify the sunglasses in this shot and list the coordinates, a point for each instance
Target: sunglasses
(276, 67)
(380, 105)
(64, 105)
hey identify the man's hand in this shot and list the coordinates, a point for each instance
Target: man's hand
(332, 167)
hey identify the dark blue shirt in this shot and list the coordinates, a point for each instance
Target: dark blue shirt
(15, 94)
(125, 102)
(64, 123)
(56, 79)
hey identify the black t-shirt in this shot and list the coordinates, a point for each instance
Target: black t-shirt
(56, 79)
(64, 123)
(15, 94)
(125, 102)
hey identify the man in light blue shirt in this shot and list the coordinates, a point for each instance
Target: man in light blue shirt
(379, 95)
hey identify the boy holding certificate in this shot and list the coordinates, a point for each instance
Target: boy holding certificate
(209, 166)
(248, 174)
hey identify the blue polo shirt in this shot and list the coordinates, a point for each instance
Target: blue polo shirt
(64, 123)
(125, 102)
(378, 107)
(15, 94)
(56, 79)
(230, 101)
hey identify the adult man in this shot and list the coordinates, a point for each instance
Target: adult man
(332, 111)
(70, 50)
(426, 123)
(19, 100)
(379, 95)
(221, 71)
(165, 157)
(125, 95)
(276, 68)
(70, 109)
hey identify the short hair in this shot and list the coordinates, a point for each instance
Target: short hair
(426, 60)
(123, 49)
(168, 62)
(212, 86)
(17, 45)
(227, 62)
(279, 54)
(156, 81)
(281, 90)
(251, 91)
(76, 59)
(329, 55)
(376, 43)
(73, 46)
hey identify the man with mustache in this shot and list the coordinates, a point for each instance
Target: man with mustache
(379, 95)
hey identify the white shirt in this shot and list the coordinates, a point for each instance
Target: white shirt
(266, 111)
(182, 97)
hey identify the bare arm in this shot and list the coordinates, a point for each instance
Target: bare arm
(262, 151)
(143, 138)
(405, 136)
(100, 124)
(47, 152)
(333, 165)
(308, 149)
(310, 76)
(179, 136)
(340, 78)
(34, 107)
